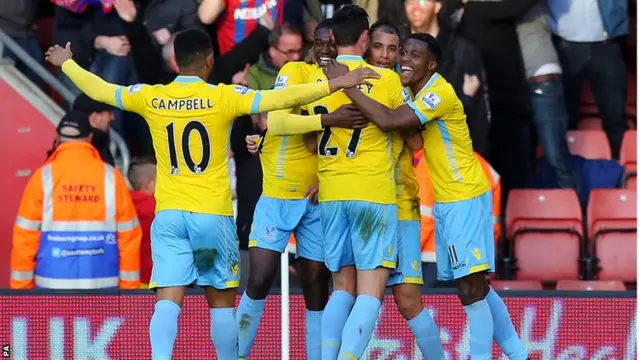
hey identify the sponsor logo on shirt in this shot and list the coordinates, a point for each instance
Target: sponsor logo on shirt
(406, 96)
(254, 13)
(135, 88)
(431, 100)
(242, 90)
(281, 82)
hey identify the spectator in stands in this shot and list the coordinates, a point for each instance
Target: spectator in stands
(547, 95)
(491, 27)
(587, 38)
(100, 117)
(76, 226)
(16, 19)
(142, 176)
(285, 44)
(461, 65)
(96, 34)
(236, 19)
(394, 11)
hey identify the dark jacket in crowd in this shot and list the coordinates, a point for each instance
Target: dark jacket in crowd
(172, 15)
(17, 16)
(82, 29)
(491, 27)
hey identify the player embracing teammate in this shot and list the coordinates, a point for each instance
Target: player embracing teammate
(356, 225)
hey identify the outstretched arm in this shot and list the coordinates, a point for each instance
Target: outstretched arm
(242, 101)
(282, 123)
(92, 85)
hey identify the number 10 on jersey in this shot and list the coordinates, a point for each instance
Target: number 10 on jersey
(194, 168)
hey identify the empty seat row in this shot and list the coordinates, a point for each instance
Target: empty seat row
(548, 239)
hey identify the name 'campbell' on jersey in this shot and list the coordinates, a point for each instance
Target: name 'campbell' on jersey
(190, 122)
(288, 167)
(358, 164)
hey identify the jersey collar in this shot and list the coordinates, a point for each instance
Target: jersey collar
(434, 77)
(349, 57)
(187, 79)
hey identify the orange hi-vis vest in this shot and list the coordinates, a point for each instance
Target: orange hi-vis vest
(77, 227)
(427, 233)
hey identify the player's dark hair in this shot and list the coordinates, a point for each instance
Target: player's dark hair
(349, 22)
(325, 24)
(433, 46)
(386, 27)
(191, 47)
(278, 31)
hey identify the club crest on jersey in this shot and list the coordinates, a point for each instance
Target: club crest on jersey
(406, 96)
(242, 90)
(135, 88)
(281, 82)
(431, 100)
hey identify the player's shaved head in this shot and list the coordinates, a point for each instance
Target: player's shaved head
(192, 49)
(349, 22)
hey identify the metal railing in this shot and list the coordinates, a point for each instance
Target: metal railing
(66, 94)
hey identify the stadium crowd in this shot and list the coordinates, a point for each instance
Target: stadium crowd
(520, 68)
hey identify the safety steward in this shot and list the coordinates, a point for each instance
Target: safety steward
(77, 226)
(427, 233)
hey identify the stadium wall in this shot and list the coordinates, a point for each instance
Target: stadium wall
(552, 324)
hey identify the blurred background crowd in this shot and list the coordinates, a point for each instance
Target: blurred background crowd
(547, 84)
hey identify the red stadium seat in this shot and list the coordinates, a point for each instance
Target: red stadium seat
(590, 144)
(579, 285)
(545, 228)
(631, 89)
(628, 158)
(589, 110)
(590, 123)
(612, 224)
(586, 96)
(516, 285)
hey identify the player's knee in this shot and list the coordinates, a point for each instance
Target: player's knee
(472, 288)
(259, 284)
(408, 299)
(314, 273)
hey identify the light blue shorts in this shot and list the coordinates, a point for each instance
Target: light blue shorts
(409, 269)
(189, 247)
(464, 237)
(274, 220)
(359, 233)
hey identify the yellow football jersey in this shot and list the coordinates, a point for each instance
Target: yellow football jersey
(455, 172)
(357, 164)
(190, 123)
(407, 190)
(288, 167)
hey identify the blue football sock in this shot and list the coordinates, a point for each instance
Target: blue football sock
(427, 335)
(480, 330)
(163, 329)
(314, 342)
(224, 333)
(359, 327)
(503, 331)
(248, 319)
(333, 319)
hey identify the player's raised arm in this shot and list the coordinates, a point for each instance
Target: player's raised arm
(286, 123)
(93, 86)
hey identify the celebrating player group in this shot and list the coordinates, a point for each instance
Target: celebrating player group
(337, 159)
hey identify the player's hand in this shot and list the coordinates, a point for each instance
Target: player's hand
(252, 143)
(334, 69)
(312, 193)
(57, 55)
(347, 117)
(352, 78)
